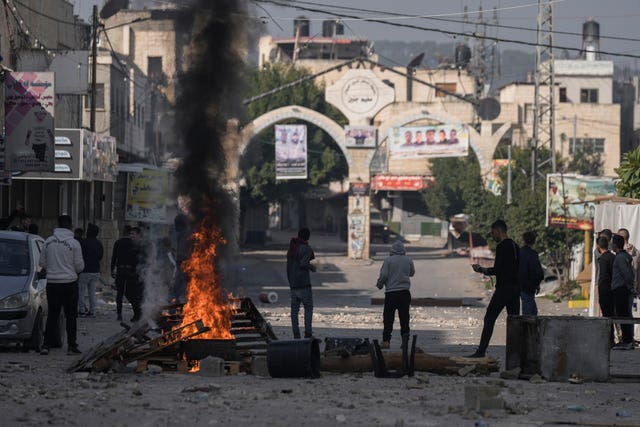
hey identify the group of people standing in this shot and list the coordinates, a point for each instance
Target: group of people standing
(617, 265)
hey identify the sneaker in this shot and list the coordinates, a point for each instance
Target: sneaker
(44, 351)
(477, 355)
(73, 350)
(623, 346)
(385, 344)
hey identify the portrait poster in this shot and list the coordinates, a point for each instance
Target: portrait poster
(572, 199)
(410, 142)
(147, 194)
(291, 151)
(494, 183)
(360, 136)
(29, 121)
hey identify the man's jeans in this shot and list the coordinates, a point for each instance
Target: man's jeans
(529, 307)
(87, 283)
(304, 296)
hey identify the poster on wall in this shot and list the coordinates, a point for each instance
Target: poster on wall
(29, 121)
(147, 193)
(360, 136)
(571, 199)
(291, 151)
(356, 234)
(409, 142)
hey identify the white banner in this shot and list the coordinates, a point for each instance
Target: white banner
(291, 151)
(29, 124)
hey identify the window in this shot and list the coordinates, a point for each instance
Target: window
(154, 67)
(589, 145)
(528, 113)
(563, 94)
(449, 87)
(99, 97)
(589, 95)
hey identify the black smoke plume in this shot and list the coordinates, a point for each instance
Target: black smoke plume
(209, 95)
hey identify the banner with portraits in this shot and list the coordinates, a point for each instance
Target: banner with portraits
(291, 151)
(572, 199)
(360, 136)
(409, 142)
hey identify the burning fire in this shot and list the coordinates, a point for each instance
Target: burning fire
(206, 300)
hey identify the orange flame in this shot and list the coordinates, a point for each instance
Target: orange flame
(206, 300)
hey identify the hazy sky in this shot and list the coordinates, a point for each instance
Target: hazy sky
(617, 18)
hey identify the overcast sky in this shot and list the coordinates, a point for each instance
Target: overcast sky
(617, 18)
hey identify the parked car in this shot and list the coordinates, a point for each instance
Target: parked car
(378, 229)
(23, 300)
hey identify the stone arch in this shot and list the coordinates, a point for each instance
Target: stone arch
(271, 118)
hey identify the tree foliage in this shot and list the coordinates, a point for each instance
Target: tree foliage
(326, 162)
(629, 174)
(586, 162)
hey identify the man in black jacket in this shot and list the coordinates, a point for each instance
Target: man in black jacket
(530, 275)
(92, 252)
(604, 275)
(299, 257)
(507, 293)
(124, 267)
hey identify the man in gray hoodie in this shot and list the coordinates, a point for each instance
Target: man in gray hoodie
(62, 260)
(394, 277)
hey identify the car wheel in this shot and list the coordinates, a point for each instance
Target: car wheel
(35, 341)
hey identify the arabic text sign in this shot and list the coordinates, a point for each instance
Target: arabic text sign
(147, 193)
(29, 124)
(401, 182)
(291, 151)
(571, 199)
(409, 142)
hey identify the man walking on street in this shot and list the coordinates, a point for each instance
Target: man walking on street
(62, 260)
(507, 293)
(124, 267)
(92, 252)
(395, 272)
(622, 285)
(299, 266)
(530, 275)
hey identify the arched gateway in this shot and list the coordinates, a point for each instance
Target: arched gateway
(360, 95)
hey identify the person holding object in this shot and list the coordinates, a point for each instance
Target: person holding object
(530, 274)
(299, 257)
(395, 272)
(62, 260)
(507, 294)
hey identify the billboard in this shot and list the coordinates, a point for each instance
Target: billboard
(103, 159)
(147, 194)
(291, 151)
(494, 183)
(401, 182)
(70, 155)
(571, 199)
(360, 136)
(29, 127)
(409, 142)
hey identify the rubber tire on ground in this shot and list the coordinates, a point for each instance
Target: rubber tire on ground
(37, 335)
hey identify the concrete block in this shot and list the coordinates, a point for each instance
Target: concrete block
(259, 366)
(212, 367)
(482, 398)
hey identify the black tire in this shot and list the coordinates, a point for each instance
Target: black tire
(37, 335)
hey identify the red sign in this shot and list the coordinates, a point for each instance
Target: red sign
(401, 182)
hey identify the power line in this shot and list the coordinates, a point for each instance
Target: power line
(436, 30)
(37, 12)
(455, 21)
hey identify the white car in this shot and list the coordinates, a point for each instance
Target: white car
(23, 299)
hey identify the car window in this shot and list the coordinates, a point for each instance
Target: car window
(14, 258)
(376, 216)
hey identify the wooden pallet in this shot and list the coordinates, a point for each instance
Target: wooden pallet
(252, 332)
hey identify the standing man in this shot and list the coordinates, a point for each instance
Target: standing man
(604, 275)
(530, 275)
(92, 253)
(622, 284)
(635, 256)
(62, 260)
(507, 293)
(396, 270)
(299, 267)
(124, 267)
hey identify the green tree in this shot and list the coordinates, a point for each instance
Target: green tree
(629, 174)
(586, 162)
(326, 162)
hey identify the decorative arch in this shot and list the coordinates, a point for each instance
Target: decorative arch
(335, 131)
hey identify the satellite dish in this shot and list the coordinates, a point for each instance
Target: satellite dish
(488, 108)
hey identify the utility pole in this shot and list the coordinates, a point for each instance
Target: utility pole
(544, 107)
(94, 88)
